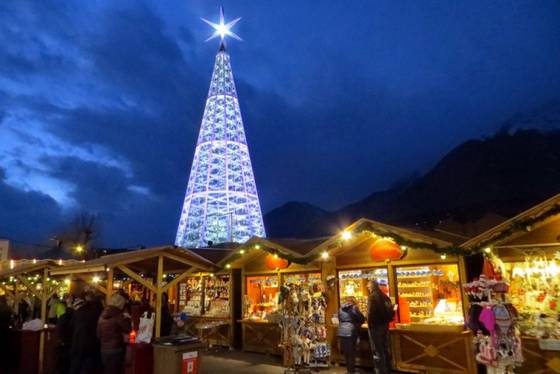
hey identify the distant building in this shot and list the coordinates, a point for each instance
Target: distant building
(4, 249)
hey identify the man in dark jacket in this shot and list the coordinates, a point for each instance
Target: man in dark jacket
(380, 313)
(85, 346)
(349, 321)
(112, 328)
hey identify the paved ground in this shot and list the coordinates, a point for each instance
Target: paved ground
(233, 362)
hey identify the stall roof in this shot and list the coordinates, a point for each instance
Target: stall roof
(214, 255)
(536, 212)
(143, 260)
(28, 267)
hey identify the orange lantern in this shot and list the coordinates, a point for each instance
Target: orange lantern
(274, 262)
(385, 249)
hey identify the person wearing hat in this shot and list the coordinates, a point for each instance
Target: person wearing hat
(349, 321)
(380, 313)
(112, 328)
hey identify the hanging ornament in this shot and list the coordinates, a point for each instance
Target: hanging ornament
(385, 249)
(274, 262)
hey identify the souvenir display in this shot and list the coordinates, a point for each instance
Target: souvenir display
(493, 319)
(190, 293)
(303, 331)
(535, 292)
(216, 297)
(261, 302)
(354, 283)
(429, 295)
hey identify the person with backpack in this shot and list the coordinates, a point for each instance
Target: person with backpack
(349, 321)
(380, 314)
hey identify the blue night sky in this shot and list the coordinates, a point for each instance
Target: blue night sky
(101, 101)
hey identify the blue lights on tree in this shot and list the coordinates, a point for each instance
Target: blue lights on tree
(221, 203)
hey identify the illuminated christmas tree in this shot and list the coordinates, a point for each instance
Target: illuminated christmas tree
(221, 203)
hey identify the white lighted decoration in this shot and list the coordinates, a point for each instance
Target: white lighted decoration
(221, 203)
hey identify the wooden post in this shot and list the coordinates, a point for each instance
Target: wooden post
(110, 276)
(329, 268)
(159, 292)
(44, 297)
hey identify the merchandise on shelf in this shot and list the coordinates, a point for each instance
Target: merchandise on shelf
(302, 324)
(190, 296)
(216, 296)
(354, 283)
(430, 295)
(261, 299)
(493, 320)
(535, 292)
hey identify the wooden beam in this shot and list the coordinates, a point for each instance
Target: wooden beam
(159, 291)
(186, 262)
(174, 282)
(137, 277)
(110, 279)
(29, 286)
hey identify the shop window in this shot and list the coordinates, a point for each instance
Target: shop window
(216, 296)
(261, 298)
(429, 294)
(535, 293)
(354, 283)
(190, 296)
(302, 278)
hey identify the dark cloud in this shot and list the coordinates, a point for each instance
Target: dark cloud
(26, 215)
(100, 103)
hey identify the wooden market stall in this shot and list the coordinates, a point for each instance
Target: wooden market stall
(158, 270)
(31, 279)
(207, 300)
(527, 249)
(419, 275)
(262, 267)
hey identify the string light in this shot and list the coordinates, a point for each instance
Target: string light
(487, 249)
(96, 279)
(324, 255)
(242, 251)
(275, 255)
(346, 235)
(228, 266)
(67, 281)
(257, 246)
(79, 248)
(443, 257)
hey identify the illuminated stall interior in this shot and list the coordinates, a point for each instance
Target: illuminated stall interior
(424, 282)
(527, 251)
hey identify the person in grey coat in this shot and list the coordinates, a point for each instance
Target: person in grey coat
(349, 321)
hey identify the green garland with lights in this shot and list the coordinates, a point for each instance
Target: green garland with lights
(370, 228)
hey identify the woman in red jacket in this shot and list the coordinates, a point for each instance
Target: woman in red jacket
(112, 328)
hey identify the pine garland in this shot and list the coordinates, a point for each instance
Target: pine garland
(368, 228)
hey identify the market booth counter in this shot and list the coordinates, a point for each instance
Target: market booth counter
(263, 273)
(206, 301)
(428, 332)
(526, 250)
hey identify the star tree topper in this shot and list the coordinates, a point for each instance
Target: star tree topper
(223, 29)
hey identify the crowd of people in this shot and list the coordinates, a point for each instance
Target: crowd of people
(90, 335)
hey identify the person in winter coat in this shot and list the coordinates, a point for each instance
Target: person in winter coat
(85, 347)
(112, 328)
(349, 321)
(380, 313)
(64, 338)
